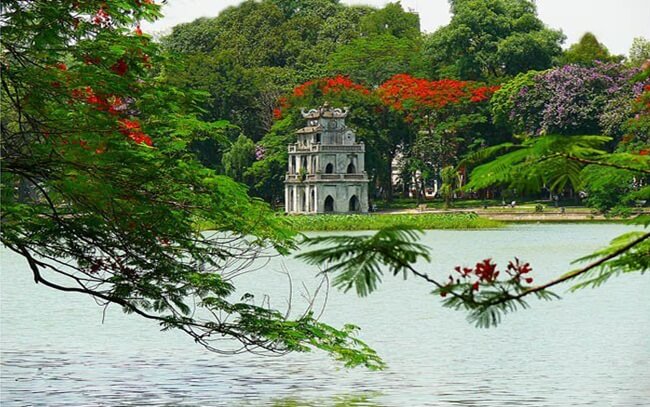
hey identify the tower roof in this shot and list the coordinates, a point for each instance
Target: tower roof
(325, 111)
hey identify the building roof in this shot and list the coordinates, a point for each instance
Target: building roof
(310, 129)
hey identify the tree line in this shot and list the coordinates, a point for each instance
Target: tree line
(261, 57)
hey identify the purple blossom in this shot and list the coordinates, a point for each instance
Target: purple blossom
(259, 152)
(575, 99)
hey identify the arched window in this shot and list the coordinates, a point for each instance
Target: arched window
(329, 169)
(329, 204)
(354, 204)
(313, 200)
(292, 170)
(290, 203)
(303, 202)
(351, 168)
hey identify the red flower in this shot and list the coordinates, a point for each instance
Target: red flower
(133, 130)
(61, 66)
(138, 30)
(101, 17)
(277, 113)
(120, 67)
(529, 280)
(475, 286)
(644, 152)
(117, 105)
(128, 125)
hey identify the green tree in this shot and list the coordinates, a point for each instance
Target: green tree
(102, 145)
(239, 158)
(587, 51)
(373, 60)
(490, 39)
(391, 20)
(639, 51)
(450, 182)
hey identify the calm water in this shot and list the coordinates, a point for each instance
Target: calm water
(590, 348)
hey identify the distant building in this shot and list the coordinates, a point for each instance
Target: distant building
(326, 166)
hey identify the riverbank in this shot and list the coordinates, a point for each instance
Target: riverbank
(524, 214)
(461, 221)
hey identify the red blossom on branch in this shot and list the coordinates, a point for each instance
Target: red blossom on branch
(120, 67)
(133, 130)
(470, 279)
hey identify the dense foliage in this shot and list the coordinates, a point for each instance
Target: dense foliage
(101, 190)
(490, 39)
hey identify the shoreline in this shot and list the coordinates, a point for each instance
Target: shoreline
(523, 216)
(436, 219)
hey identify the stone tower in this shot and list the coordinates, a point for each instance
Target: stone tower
(326, 166)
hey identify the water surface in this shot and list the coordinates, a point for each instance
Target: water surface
(591, 348)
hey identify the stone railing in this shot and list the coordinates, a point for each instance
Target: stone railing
(327, 177)
(355, 148)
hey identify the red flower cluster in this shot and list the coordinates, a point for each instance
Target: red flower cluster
(299, 91)
(283, 103)
(405, 90)
(483, 93)
(340, 83)
(89, 96)
(120, 67)
(485, 272)
(517, 269)
(101, 18)
(133, 130)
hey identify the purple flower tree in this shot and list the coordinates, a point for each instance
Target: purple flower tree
(575, 99)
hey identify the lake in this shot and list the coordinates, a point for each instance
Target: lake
(590, 348)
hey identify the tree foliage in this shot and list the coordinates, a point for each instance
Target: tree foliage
(587, 51)
(568, 100)
(491, 38)
(100, 143)
(639, 52)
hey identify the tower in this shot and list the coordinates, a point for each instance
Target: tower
(326, 166)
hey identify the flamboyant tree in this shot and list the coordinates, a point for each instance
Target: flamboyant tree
(101, 193)
(449, 116)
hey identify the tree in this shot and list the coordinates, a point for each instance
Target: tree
(572, 99)
(639, 52)
(587, 51)
(239, 158)
(373, 60)
(391, 20)
(102, 144)
(449, 117)
(490, 39)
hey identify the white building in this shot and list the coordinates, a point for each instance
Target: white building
(326, 166)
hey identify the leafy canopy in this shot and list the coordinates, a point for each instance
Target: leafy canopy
(102, 193)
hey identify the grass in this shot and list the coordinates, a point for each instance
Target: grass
(377, 221)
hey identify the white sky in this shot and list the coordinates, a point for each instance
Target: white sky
(614, 22)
